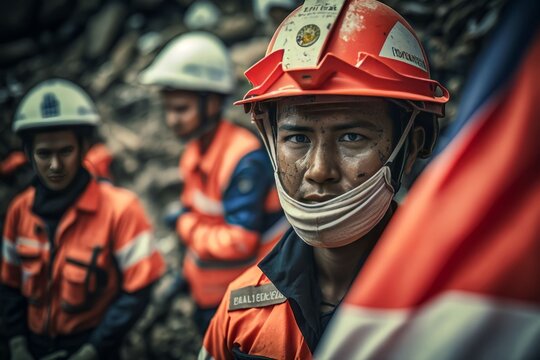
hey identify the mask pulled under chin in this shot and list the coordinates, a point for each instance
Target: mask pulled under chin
(343, 219)
(346, 218)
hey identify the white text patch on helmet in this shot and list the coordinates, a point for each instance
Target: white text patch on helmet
(304, 34)
(401, 45)
(255, 297)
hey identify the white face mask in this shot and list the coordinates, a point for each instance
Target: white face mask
(346, 218)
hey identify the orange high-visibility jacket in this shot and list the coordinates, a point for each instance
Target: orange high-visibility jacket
(98, 160)
(272, 310)
(103, 245)
(233, 216)
(11, 163)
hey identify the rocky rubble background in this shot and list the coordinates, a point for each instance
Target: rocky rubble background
(103, 45)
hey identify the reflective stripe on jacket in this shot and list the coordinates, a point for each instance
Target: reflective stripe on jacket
(103, 245)
(233, 216)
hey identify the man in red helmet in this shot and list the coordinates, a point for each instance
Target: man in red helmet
(345, 105)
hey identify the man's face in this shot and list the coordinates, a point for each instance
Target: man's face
(325, 150)
(181, 112)
(57, 158)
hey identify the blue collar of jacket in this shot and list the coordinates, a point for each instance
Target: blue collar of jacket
(291, 268)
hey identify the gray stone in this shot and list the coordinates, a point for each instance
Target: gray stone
(235, 27)
(149, 42)
(10, 52)
(103, 29)
(202, 14)
(53, 11)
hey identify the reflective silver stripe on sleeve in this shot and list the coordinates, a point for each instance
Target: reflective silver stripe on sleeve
(9, 252)
(33, 243)
(220, 264)
(134, 251)
(206, 205)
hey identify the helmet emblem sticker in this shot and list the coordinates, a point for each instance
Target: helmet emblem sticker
(308, 35)
(82, 110)
(50, 106)
(303, 35)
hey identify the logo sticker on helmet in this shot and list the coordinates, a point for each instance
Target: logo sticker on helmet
(308, 35)
(82, 110)
(50, 106)
(310, 26)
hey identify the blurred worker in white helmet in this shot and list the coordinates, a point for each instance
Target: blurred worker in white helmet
(78, 261)
(231, 215)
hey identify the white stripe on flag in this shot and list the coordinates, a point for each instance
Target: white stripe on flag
(142, 246)
(455, 325)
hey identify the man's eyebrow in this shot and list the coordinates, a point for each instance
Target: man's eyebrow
(356, 124)
(289, 127)
(338, 127)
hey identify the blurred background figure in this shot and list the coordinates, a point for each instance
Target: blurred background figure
(230, 213)
(78, 261)
(456, 274)
(105, 44)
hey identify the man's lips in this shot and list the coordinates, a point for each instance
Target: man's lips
(56, 177)
(317, 198)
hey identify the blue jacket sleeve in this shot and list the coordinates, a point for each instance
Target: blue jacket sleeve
(244, 198)
(14, 308)
(119, 319)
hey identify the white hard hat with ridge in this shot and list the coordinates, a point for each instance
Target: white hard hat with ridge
(196, 61)
(55, 103)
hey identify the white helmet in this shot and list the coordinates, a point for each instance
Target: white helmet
(196, 61)
(261, 8)
(53, 103)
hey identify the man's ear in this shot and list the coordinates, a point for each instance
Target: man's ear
(418, 137)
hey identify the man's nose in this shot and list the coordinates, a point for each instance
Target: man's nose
(173, 119)
(56, 163)
(322, 165)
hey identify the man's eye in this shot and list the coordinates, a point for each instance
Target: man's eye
(351, 137)
(43, 154)
(66, 152)
(298, 138)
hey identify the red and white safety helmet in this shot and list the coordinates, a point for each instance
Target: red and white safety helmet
(347, 47)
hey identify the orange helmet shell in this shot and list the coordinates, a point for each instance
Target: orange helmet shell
(366, 49)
